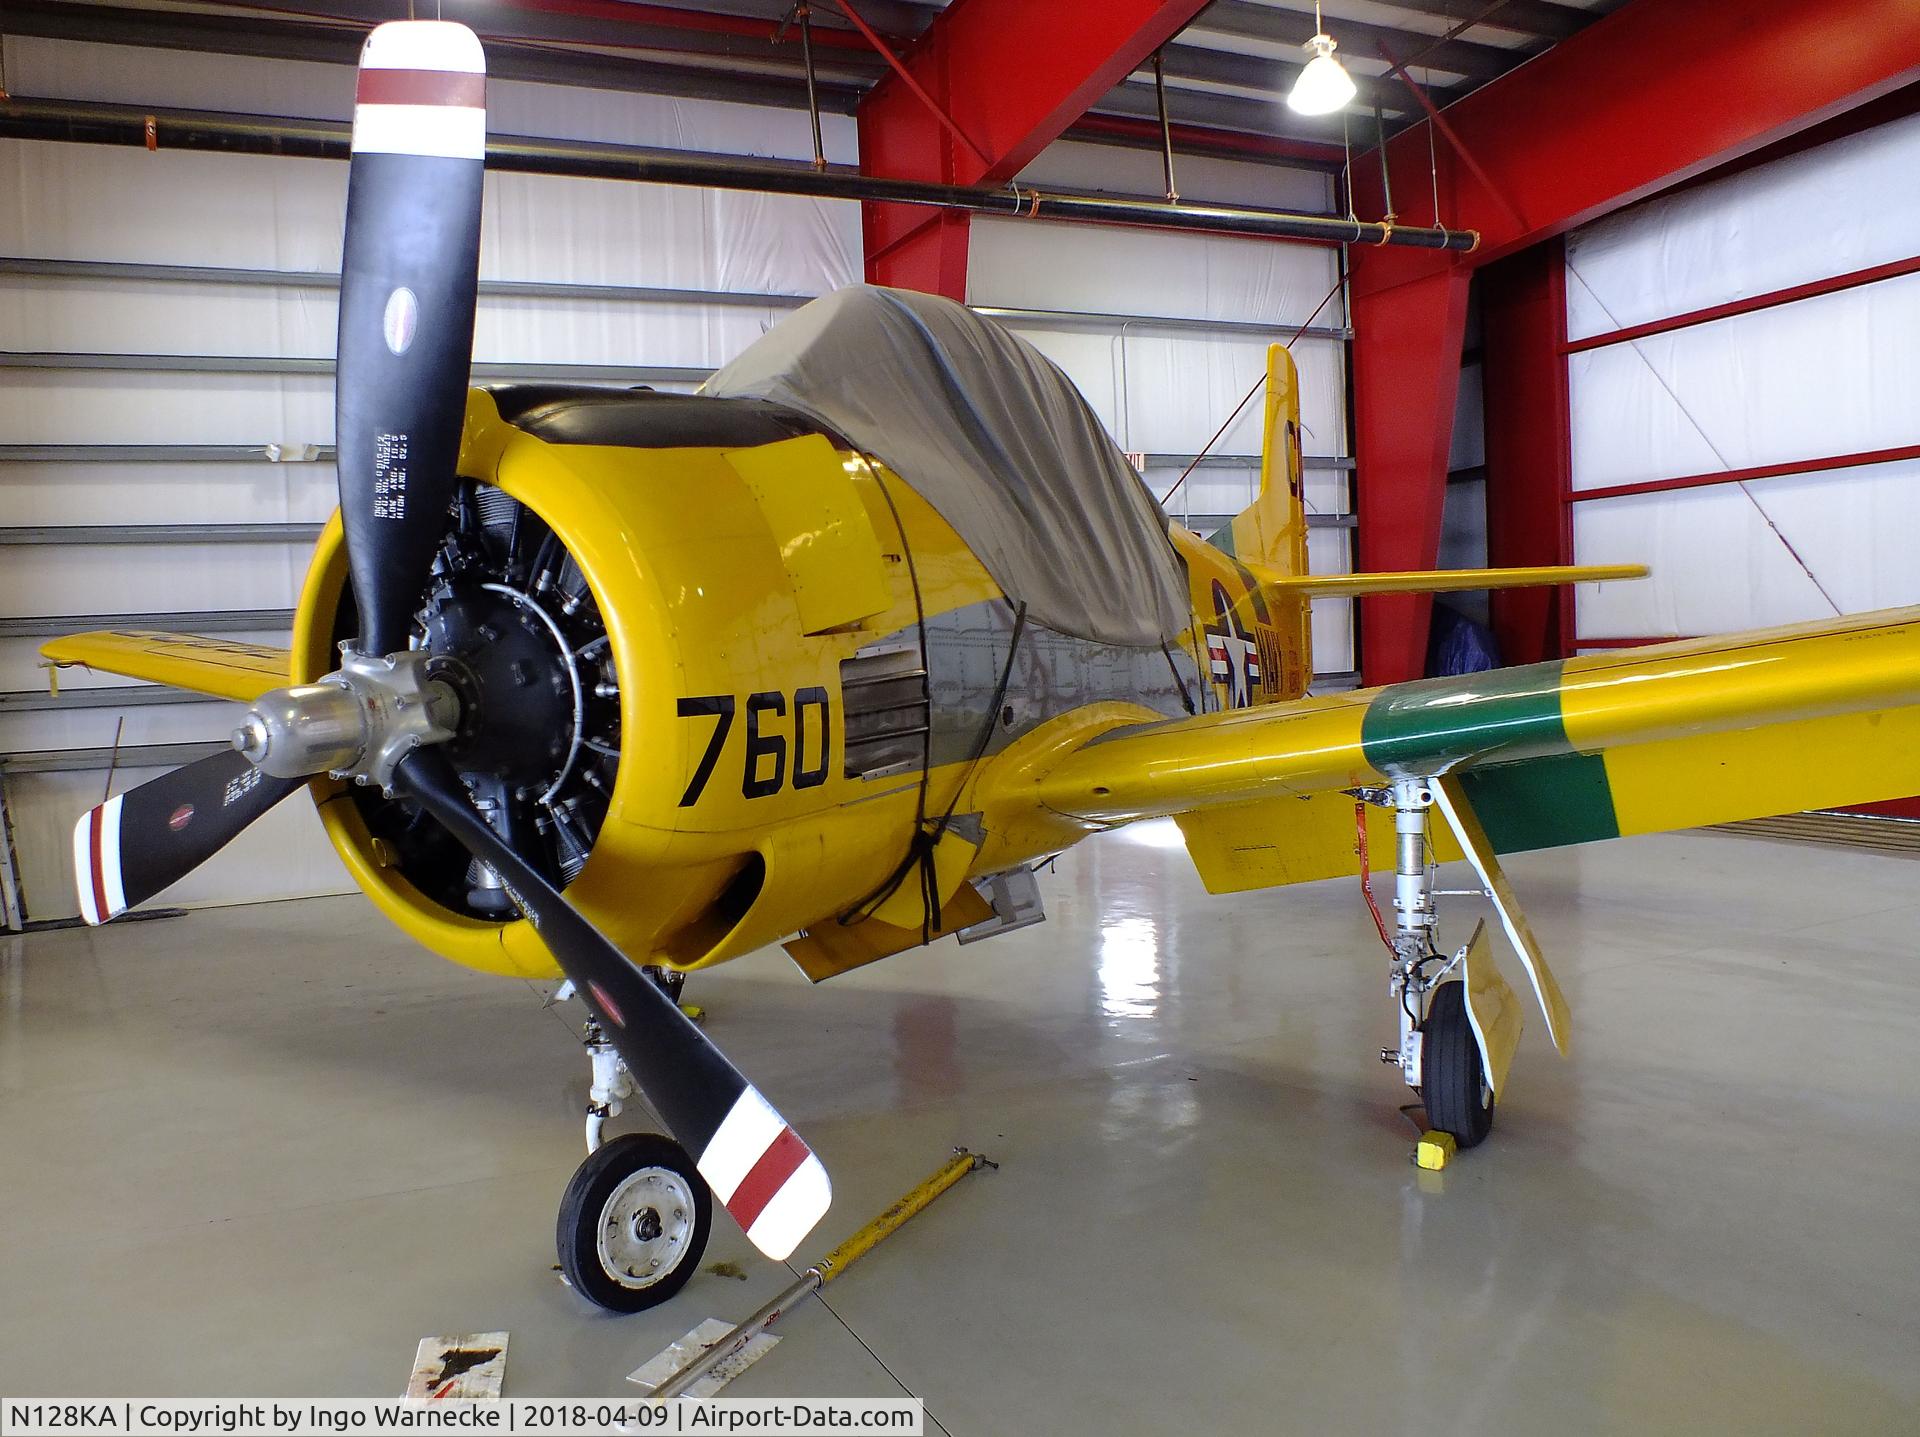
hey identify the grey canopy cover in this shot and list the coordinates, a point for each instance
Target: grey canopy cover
(990, 433)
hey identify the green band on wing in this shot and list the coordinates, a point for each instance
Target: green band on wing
(1423, 728)
(1544, 803)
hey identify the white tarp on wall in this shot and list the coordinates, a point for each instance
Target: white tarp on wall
(1840, 207)
(1809, 380)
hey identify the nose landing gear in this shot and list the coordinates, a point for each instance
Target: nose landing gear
(636, 1215)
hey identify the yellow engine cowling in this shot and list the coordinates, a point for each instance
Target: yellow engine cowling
(735, 574)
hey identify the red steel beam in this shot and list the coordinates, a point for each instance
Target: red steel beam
(906, 77)
(1651, 95)
(1853, 279)
(1010, 76)
(1757, 471)
(1654, 94)
(1235, 144)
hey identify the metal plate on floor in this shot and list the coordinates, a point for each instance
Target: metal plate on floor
(662, 1365)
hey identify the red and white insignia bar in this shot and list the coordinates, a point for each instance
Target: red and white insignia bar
(766, 1176)
(422, 91)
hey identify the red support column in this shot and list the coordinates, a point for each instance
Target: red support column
(1523, 313)
(1011, 76)
(1406, 378)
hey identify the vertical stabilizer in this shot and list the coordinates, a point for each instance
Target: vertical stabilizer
(1272, 531)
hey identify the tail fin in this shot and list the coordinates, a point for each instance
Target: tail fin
(1272, 531)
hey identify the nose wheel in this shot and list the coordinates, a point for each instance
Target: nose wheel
(634, 1223)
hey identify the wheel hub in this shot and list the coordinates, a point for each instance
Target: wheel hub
(646, 1227)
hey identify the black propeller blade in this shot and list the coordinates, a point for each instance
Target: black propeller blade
(148, 838)
(759, 1168)
(408, 282)
(412, 249)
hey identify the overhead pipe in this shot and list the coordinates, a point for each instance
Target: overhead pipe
(88, 122)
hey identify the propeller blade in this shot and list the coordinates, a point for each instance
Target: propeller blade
(759, 1168)
(408, 279)
(148, 838)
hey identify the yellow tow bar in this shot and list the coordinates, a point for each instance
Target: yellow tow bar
(827, 1269)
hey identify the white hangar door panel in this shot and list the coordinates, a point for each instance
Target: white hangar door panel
(1744, 360)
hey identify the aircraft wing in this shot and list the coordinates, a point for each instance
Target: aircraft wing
(220, 667)
(1632, 741)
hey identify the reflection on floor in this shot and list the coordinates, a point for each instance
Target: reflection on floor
(265, 1150)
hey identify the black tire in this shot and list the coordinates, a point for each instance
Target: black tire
(625, 1186)
(1454, 1080)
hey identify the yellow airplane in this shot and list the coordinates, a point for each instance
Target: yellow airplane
(617, 685)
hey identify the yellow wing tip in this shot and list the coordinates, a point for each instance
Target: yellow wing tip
(219, 667)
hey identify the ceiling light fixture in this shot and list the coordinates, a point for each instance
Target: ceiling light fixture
(1324, 84)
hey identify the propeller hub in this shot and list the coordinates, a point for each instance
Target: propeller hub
(521, 692)
(359, 721)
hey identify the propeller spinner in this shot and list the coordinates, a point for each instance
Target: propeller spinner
(408, 292)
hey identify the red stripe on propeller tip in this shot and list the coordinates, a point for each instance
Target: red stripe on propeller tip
(96, 850)
(766, 1177)
(421, 87)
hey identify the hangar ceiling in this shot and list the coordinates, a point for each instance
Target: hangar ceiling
(1223, 72)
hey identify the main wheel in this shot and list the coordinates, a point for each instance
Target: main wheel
(1453, 1078)
(633, 1223)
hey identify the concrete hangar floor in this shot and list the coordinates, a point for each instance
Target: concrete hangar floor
(263, 1151)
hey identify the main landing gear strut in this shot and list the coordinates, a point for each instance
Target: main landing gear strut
(1439, 1054)
(1459, 1021)
(636, 1215)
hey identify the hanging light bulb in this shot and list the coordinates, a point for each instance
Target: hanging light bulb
(1324, 84)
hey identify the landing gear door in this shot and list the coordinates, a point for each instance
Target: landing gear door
(1493, 1008)
(1465, 824)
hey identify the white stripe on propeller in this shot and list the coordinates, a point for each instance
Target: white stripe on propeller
(765, 1175)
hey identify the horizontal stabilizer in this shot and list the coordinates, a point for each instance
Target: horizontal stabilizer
(1445, 581)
